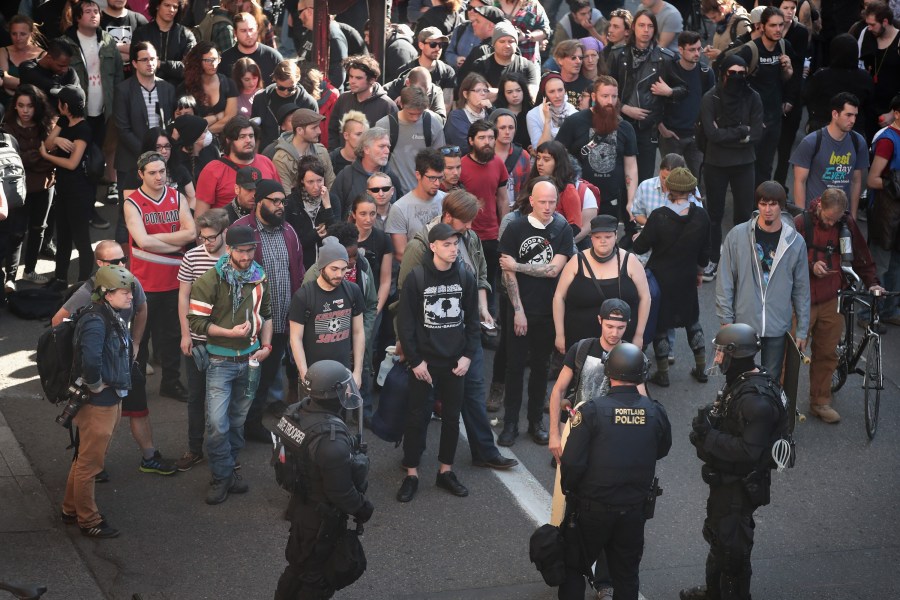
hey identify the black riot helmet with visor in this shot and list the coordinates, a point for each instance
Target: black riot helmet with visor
(734, 347)
(328, 381)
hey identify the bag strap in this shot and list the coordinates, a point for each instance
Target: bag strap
(394, 128)
(582, 261)
(228, 162)
(426, 128)
(513, 158)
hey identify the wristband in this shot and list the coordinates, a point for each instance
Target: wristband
(267, 347)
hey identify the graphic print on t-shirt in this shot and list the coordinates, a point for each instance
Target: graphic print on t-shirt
(838, 169)
(443, 306)
(529, 247)
(332, 324)
(601, 152)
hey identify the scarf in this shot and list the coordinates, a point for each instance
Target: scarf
(474, 116)
(558, 115)
(310, 205)
(639, 56)
(237, 279)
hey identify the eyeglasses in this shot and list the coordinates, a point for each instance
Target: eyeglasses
(434, 178)
(210, 61)
(275, 201)
(115, 261)
(282, 88)
(434, 45)
(381, 190)
(209, 239)
(480, 90)
(146, 60)
(450, 150)
(161, 147)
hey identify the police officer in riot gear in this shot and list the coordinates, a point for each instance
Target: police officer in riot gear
(607, 474)
(320, 462)
(733, 438)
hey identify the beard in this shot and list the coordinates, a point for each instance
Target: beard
(604, 119)
(270, 216)
(243, 155)
(483, 155)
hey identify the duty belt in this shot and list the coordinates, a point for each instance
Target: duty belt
(595, 506)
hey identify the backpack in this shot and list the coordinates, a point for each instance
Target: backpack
(754, 55)
(35, 303)
(394, 125)
(93, 163)
(12, 172)
(204, 30)
(582, 349)
(58, 357)
(761, 383)
(389, 420)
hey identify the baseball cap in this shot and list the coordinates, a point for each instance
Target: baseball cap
(441, 232)
(604, 224)
(304, 116)
(266, 188)
(71, 95)
(491, 13)
(282, 113)
(240, 235)
(611, 305)
(432, 33)
(248, 177)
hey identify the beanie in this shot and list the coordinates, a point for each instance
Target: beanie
(330, 252)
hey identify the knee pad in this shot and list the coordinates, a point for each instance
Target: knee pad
(661, 346)
(696, 339)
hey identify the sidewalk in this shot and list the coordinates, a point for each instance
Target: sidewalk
(34, 548)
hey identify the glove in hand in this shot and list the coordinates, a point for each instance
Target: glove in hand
(365, 512)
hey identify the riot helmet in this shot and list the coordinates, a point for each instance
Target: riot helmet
(328, 381)
(626, 362)
(734, 347)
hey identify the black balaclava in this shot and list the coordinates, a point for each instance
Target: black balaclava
(731, 92)
(738, 367)
(844, 52)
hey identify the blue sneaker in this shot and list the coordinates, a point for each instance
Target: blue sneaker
(157, 465)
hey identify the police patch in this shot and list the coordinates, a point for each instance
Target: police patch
(290, 432)
(576, 419)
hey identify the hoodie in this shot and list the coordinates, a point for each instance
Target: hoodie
(438, 318)
(741, 296)
(374, 107)
(286, 158)
(267, 103)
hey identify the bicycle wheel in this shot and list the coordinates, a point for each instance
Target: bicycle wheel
(872, 384)
(839, 377)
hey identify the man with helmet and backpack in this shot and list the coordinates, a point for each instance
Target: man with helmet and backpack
(325, 469)
(607, 474)
(736, 438)
(103, 352)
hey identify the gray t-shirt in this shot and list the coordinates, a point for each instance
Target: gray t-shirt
(410, 215)
(411, 139)
(82, 297)
(834, 163)
(670, 21)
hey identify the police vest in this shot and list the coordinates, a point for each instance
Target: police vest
(752, 387)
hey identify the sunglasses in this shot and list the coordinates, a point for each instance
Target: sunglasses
(735, 72)
(282, 88)
(450, 150)
(116, 261)
(384, 189)
(434, 45)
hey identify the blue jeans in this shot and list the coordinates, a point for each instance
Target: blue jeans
(887, 266)
(227, 403)
(772, 355)
(474, 411)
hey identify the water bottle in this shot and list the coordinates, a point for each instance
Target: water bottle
(846, 242)
(387, 364)
(252, 378)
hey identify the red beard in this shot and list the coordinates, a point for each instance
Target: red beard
(604, 119)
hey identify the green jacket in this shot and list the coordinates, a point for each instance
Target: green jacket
(211, 304)
(110, 68)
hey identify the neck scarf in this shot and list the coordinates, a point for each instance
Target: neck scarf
(558, 115)
(237, 279)
(310, 205)
(474, 116)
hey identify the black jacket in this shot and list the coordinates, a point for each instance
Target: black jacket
(726, 145)
(130, 113)
(269, 126)
(178, 43)
(662, 61)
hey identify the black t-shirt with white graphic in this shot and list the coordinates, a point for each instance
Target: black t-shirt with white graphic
(327, 318)
(120, 29)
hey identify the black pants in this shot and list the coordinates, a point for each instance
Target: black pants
(765, 151)
(534, 348)
(728, 529)
(270, 369)
(29, 220)
(740, 178)
(74, 203)
(790, 124)
(647, 143)
(498, 374)
(449, 388)
(304, 576)
(620, 534)
(162, 321)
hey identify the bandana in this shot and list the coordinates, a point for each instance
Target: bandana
(238, 279)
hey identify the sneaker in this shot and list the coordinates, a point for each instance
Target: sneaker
(9, 287)
(187, 461)
(495, 397)
(709, 273)
(218, 490)
(660, 378)
(825, 412)
(238, 485)
(35, 278)
(695, 593)
(157, 465)
(237, 465)
(100, 530)
(408, 488)
(112, 194)
(68, 519)
(150, 370)
(539, 434)
(449, 482)
(508, 436)
(98, 222)
(699, 375)
(605, 593)
(48, 250)
(173, 390)
(101, 477)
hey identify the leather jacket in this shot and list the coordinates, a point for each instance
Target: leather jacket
(658, 65)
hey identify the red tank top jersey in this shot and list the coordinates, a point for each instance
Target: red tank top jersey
(157, 272)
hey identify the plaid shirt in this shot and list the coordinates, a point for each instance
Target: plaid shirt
(649, 196)
(529, 16)
(276, 264)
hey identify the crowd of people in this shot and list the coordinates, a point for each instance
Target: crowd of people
(469, 192)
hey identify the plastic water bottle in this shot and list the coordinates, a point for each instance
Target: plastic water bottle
(387, 364)
(252, 377)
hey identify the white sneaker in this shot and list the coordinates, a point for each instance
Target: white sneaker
(10, 287)
(605, 593)
(709, 273)
(150, 371)
(35, 278)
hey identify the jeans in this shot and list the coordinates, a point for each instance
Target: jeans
(450, 389)
(474, 411)
(772, 355)
(95, 429)
(765, 153)
(686, 146)
(162, 322)
(196, 406)
(73, 212)
(740, 178)
(227, 403)
(534, 348)
(887, 266)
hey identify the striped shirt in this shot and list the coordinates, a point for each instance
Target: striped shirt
(196, 262)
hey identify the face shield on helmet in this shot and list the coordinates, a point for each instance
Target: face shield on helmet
(719, 359)
(348, 394)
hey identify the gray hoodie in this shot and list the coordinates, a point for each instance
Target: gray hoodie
(740, 294)
(286, 158)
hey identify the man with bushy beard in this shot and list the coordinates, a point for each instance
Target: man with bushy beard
(484, 175)
(278, 251)
(605, 146)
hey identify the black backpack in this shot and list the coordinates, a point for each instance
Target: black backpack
(395, 129)
(57, 356)
(761, 383)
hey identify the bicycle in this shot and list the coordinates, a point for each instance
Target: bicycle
(850, 352)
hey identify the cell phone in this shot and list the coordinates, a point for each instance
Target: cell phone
(487, 325)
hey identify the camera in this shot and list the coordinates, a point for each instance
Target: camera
(77, 397)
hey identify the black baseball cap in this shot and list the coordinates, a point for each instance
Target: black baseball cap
(618, 305)
(70, 95)
(248, 177)
(441, 232)
(240, 235)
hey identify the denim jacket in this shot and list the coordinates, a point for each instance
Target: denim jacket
(105, 355)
